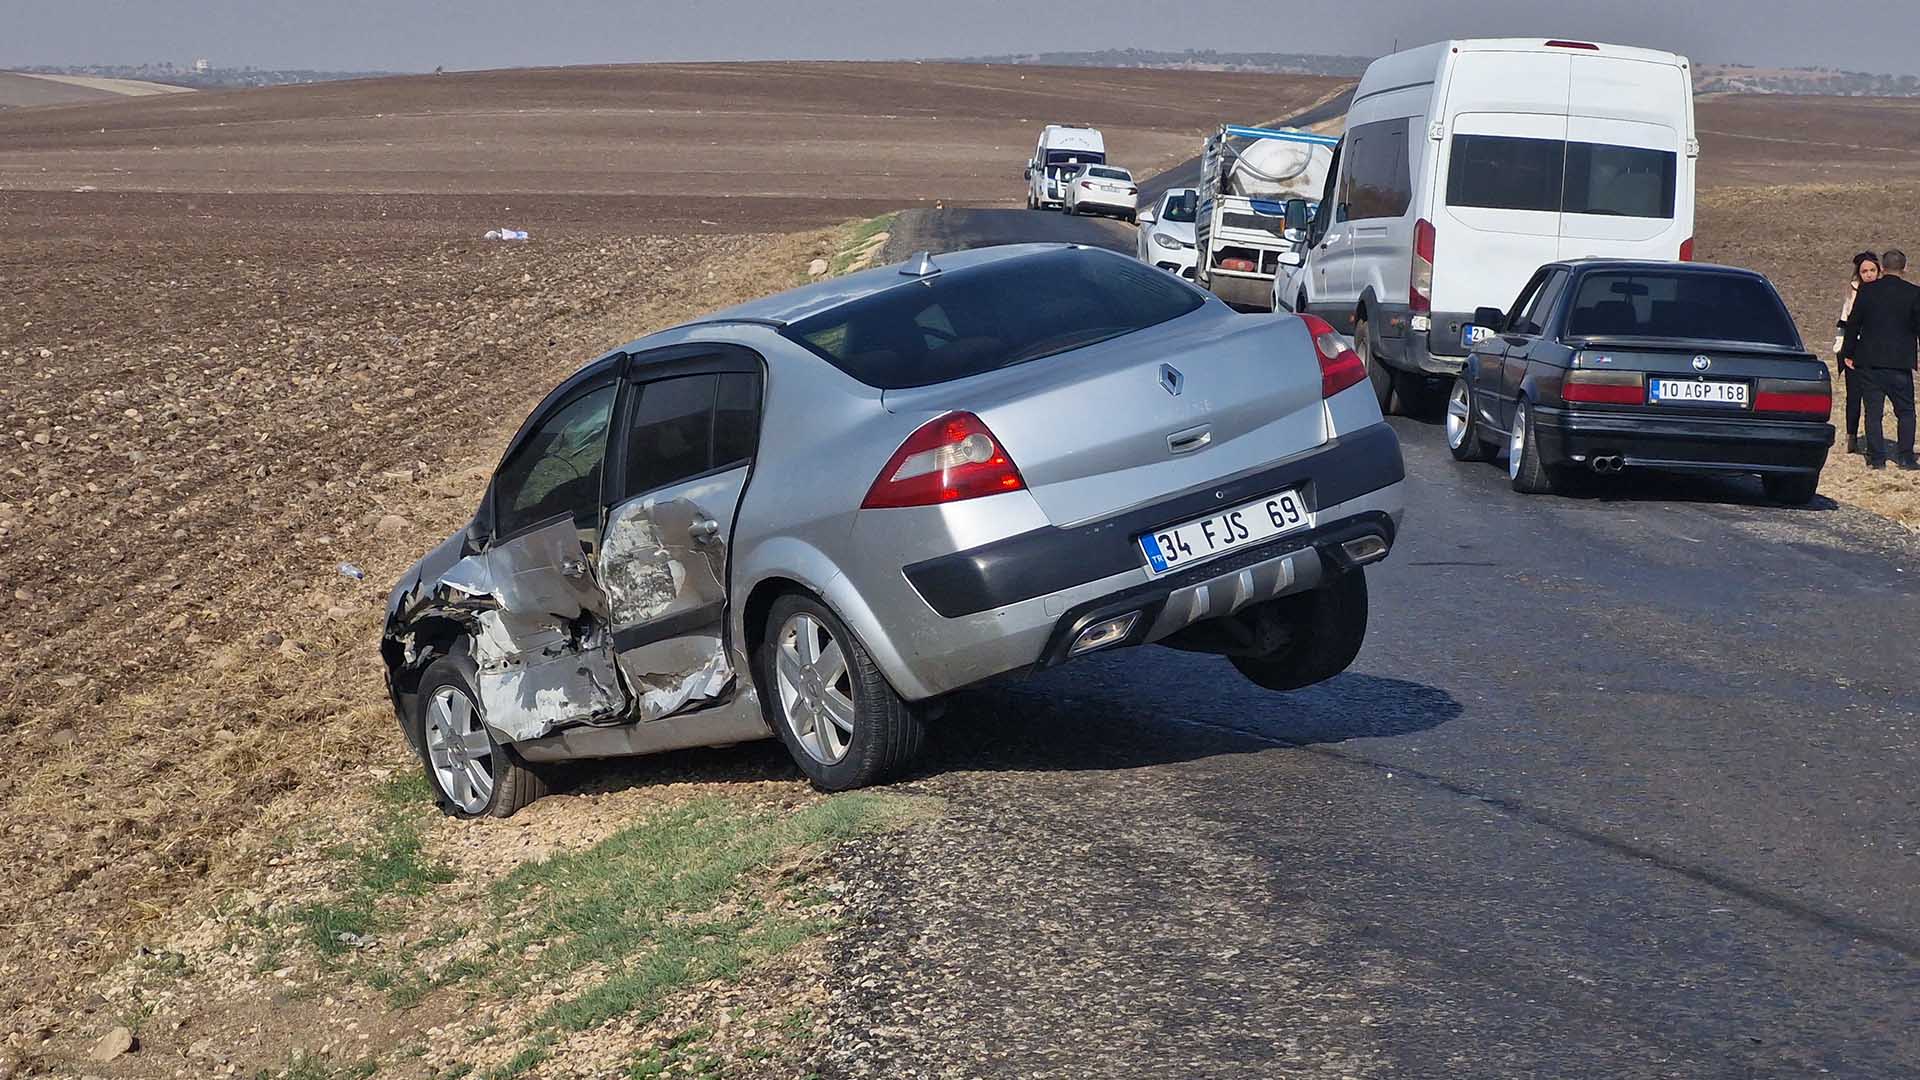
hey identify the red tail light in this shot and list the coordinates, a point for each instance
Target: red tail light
(1420, 279)
(1087, 184)
(1244, 266)
(1605, 387)
(949, 458)
(1340, 366)
(1686, 250)
(1793, 396)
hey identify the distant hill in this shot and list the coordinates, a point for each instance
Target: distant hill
(1707, 78)
(211, 79)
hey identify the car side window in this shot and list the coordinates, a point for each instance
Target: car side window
(670, 432)
(1511, 325)
(1534, 321)
(556, 469)
(736, 419)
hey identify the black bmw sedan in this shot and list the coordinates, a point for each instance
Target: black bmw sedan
(1605, 365)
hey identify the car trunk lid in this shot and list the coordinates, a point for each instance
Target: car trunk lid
(1679, 375)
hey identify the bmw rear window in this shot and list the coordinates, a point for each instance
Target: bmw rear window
(1680, 304)
(1012, 311)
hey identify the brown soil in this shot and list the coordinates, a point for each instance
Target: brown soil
(1769, 141)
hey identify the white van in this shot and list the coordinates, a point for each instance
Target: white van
(1062, 149)
(1468, 164)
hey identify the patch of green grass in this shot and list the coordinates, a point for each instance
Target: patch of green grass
(526, 1059)
(455, 1072)
(681, 1055)
(394, 863)
(855, 239)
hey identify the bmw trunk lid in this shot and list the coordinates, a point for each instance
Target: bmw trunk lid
(1151, 414)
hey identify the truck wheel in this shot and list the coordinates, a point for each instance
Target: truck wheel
(1378, 373)
(1329, 623)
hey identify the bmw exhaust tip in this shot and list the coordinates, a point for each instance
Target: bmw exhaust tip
(1605, 464)
(1104, 633)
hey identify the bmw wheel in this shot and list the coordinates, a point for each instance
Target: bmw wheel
(1528, 473)
(829, 702)
(1463, 428)
(471, 773)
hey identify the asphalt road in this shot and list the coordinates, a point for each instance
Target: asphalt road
(1622, 785)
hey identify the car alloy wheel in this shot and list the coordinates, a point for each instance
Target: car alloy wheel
(816, 690)
(1517, 442)
(459, 750)
(1459, 414)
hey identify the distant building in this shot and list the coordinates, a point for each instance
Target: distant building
(201, 67)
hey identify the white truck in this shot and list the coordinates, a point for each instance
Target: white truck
(1256, 186)
(1062, 149)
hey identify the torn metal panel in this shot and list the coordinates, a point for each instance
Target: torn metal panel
(545, 684)
(664, 563)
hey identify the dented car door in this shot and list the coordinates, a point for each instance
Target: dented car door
(539, 617)
(691, 423)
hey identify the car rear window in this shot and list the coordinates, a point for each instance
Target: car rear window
(1680, 304)
(1010, 311)
(1110, 174)
(1498, 172)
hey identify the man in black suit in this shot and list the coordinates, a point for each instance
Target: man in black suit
(1880, 347)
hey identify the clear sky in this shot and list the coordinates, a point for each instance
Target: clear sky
(417, 35)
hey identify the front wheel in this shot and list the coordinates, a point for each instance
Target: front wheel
(471, 773)
(1327, 627)
(1463, 427)
(1795, 489)
(829, 703)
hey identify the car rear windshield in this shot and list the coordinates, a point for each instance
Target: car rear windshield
(1110, 174)
(1498, 172)
(1011, 311)
(1680, 304)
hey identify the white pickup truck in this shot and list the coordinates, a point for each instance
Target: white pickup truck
(1256, 184)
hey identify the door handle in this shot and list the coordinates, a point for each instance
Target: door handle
(1186, 442)
(573, 568)
(703, 530)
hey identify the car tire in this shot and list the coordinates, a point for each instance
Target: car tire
(450, 732)
(1529, 474)
(871, 733)
(1794, 489)
(1133, 219)
(1329, 625)
(1464, 438)
(1379, 375)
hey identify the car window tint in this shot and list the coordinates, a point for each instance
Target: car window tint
(736, 418)
(1379, 181)
(1180, 207)
(1502, 173)
(1685, 304)
(556, 469)
(1534, 320)
(1620, 181)
(1110, 174)
(1005, 312)
(670, 436)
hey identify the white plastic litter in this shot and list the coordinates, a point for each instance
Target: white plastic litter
(347, 569)
(506, 234)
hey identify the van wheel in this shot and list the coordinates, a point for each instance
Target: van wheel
(1378, 373)
(1328, 626)
(829, 702)
(1463, 427)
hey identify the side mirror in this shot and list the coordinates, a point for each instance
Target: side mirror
(1291, 258)
(1147, 217)
(1027, 174)
(1491, 318)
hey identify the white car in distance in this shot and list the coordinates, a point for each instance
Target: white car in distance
(1102, 189)
(1166, 232)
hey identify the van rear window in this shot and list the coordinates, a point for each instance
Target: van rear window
(1697, 304)
(1010, 311)
(1500, 172)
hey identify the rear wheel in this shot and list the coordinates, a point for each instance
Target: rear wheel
(471, 773)
(1328, 626)
(1529, 474)
(1463, 428)
(828, 701)
(1796, 489)
(1378, 373)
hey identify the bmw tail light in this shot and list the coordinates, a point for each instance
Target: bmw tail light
(1605, 387)
(950, 458)
(1340, 366)
(1793, 396)
(1420, 279)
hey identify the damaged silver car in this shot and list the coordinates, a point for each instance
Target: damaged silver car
(810, 516)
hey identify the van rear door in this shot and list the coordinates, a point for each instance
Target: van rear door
(1629, 186)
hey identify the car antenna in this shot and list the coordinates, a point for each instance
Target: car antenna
(919, 264)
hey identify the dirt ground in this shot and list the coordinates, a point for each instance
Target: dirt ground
(249, 336)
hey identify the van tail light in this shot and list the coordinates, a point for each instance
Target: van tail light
(1420, 280)
(1686, 250)
(1558, 44)
(949, 458)
(1605, 387)
(1793, 396)
(1340, 366)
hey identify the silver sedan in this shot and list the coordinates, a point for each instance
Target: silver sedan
(812, 516)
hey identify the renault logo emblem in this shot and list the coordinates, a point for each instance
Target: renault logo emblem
(1702, 363)
(1172, 380)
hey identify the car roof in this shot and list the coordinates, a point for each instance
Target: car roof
(1588, 265)
(807, 301)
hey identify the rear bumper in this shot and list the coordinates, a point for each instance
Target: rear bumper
(1699, 443)
(961, 618)
(1104, 204)
(1430, 352)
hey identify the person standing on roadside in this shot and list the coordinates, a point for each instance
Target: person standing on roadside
(1866, 267)
(1880, 347)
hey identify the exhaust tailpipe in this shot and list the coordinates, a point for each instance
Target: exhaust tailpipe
(1608, 464)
